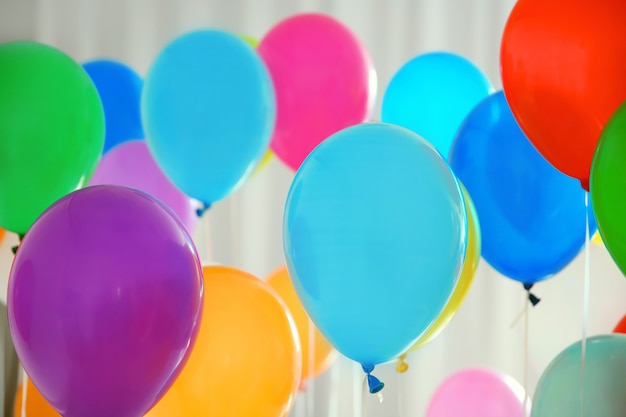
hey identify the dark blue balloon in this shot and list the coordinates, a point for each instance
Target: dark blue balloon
(532, 216)
(120, 91)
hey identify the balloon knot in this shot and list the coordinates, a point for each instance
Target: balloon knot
(402, 366)
(374, 384)
(585, 184)
(205, 206)
(534, 300)
(16, 247)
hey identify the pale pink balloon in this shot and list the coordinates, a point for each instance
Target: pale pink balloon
(130, 164)
(324, 82)
(478, 392)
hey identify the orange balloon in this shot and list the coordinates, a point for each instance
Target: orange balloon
(323, 354)
(246, 360)
(36, 404)
(621, 326)
(563, 66)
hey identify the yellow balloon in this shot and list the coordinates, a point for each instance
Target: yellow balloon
(472, 257)
(263, 162)
(597, 239)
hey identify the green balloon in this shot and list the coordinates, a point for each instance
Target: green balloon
(51, 130)
(558, 392)
(608, 186)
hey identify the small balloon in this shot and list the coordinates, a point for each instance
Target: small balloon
(104, 302)
(51, 130)
(532, 217)
(564, 391)
(119, 87)
(324, 82)
(209, 110)
(478, 392)
(247, 359)
(130, 164)
(432, 94)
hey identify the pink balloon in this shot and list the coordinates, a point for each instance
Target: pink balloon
(324, 82)
(478, 392)
(130, 164)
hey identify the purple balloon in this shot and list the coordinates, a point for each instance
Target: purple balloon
(131, 164)
(104, 302)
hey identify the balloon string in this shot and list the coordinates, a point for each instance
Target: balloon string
(24, 392)
(400, 396)
(310, 395)
(357, 392)
(333, 400)
(526, 355)
(586, 290)
(364, 390)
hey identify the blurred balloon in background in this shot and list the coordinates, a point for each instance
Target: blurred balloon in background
(375, 233)
(532, 216)
(119, 87)
(563, 66)
(51, 130)
(564, 390)
(470, 264)
(317, 353)
(324, 81)
(104, 302)
(130, 164)
(36, 404)
(247, 359)
(608, 186)
(208, 109)
(432, 94)
(478, 392)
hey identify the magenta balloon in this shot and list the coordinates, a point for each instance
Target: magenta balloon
(131, 164)
(104, 302)
(324, 81)
(478, 392)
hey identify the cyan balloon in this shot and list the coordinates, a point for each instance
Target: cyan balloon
(558, 392)
(432, 94)
(119, 87)
(375, 235)
(532, 216)
(208, 109)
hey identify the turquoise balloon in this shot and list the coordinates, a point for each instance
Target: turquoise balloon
(432, 94)
(208, 110)
(558, 393)
(374, 235)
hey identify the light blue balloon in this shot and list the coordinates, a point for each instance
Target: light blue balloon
(374, 235)
(208, 110)
(431, 95)
(558, 393)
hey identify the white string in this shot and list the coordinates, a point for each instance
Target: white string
(526, 354)
(333, 400)
(24, 392)
(399, 389)
(357, 391)
(586, 290)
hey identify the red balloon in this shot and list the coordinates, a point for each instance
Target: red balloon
(563, 65)
(621, 326)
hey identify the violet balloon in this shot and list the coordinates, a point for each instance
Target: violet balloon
(478, 392)
(131, 164)
(104, 302)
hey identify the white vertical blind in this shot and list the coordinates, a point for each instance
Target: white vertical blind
(245, 230)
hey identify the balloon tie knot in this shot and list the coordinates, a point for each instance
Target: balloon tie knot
(205, 206)
(374, 384)
(534, 300)
(16, 247)
(402, 366)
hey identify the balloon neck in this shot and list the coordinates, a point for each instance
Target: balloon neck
(585, 184)
(16, 247)
(374, 384)
(534, 300)
(402, 366)
(205, 207)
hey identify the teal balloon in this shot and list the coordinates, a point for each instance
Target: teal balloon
(375, 235)
(432, 94)
(558, 393)
(208, 109)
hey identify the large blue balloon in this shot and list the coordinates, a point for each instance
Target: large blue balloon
(558, 392)
(119, 87)
(532, 217)
(375, 235)
(432, 94)
(209, 109)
